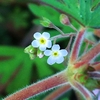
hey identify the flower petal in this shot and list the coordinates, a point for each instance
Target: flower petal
(49, 44)
(51, 60)
(96, 91)
(35, 43)
(42, 47)
(47, 52)
(46, 35)
(59, 60)
(64, 52)
(37, 35)
(55, 47)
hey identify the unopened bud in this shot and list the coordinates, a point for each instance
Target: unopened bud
(32, 56)
(40, 53)
(64, 19)
(46, 22)
(31, 51)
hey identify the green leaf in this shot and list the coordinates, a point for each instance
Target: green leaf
(85, 7)
(67, 7)
(80, 10)
(1, 98)
(17, 70)
(70, 4)
(15, 66)
(95, 3)
(95, 22)
(47, 12)
(43, 68)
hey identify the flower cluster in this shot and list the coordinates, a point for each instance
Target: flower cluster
(42, 42)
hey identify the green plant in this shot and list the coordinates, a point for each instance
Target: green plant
(82, 67)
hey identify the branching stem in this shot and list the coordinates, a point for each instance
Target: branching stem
(39, 87)
(90, 55)
(62, 36)
(59, 30)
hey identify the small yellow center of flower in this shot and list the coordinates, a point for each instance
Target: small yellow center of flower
(55, 54)
(42, 41)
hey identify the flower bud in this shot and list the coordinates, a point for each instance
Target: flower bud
(32, 56)
(40, 53)
(46, 22)
(31, 51)
(64, 19)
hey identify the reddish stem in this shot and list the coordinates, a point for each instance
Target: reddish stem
(80, 88)
(87, 57)
(69, 44)
(97, 67)
(88, 41)
(41, 86)
(76, 46)
(58, 92)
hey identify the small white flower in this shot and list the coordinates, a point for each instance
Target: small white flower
(55, 55)
(42, 41)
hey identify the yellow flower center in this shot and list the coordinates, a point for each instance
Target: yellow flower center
(55, 54)
(42, 41)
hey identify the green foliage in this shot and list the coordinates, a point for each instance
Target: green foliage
(15, 19)
(85, 12)
(14, 60)
(19, 18)
(16, 67)
(80, 10)
(47, 12)
(95, 22)
(95, 3)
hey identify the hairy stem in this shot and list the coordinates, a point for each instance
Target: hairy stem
(39, 87)
(63, 36)
(97, 66)
(82, 90)
(76, 46)
(58, 92)
(73, 27)
(69, 44)
(55, 27)
(90, 55)
(88, 41)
